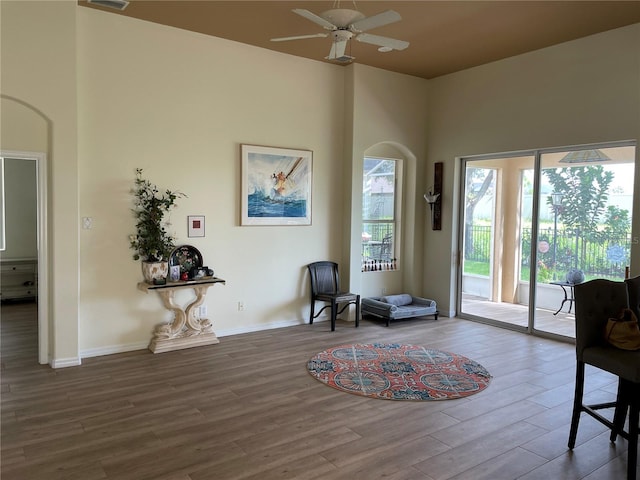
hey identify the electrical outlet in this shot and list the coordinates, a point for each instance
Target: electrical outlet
(87, 223)
(203, 311)
(240, 306)
(383, 291)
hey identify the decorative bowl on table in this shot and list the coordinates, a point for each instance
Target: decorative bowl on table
(187, 258)
(200, 273)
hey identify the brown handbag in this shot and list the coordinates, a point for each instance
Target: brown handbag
(623, 332)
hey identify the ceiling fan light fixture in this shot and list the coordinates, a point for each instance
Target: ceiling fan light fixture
(342, 17)
(115, 4)
(341, 35)
(342, 59)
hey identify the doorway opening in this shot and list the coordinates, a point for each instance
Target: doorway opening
(535, 224)
(30, 258)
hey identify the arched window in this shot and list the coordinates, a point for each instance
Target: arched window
(380, 213)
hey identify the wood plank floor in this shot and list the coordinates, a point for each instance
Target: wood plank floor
(247, 409)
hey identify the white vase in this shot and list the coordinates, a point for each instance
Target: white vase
(151, 270)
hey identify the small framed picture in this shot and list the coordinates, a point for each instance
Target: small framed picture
(174, 273)
(196, 225)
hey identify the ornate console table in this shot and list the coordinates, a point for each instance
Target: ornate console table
(185, 331)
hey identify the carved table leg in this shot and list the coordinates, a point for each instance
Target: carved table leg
(197, 326)
(185, 331)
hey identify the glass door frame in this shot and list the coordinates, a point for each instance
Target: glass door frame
(536, 154)
(464, 163)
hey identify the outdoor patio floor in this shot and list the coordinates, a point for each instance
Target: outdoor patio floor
(515, 314)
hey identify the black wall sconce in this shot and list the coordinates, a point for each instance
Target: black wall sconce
(434, 198)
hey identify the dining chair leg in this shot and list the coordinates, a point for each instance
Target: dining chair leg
(632, 456)
(622, 406)
(577, 404)
(357, 311)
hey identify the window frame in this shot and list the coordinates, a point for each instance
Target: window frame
(390, 260)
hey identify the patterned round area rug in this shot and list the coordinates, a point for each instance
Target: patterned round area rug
(399, 372)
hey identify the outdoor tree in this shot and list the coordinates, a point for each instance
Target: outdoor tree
(475, 176)
(585, 194)
(617, 222)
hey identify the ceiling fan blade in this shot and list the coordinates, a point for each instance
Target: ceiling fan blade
(391, 43)
(384, 18)
(300, 37)
(314, 18)
(337, 49)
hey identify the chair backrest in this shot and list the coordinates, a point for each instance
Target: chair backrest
(386, 248)
(633, 290)
(324, 277)
(596, 301)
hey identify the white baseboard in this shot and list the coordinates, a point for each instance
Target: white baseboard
(65, 362)
(258, 328)
(111, 349)
(122, 348)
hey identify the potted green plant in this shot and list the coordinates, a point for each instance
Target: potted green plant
(152, 243)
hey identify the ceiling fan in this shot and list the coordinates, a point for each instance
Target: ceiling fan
(344, 24)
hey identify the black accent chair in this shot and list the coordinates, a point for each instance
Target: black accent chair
(325, 287)
(595, 302)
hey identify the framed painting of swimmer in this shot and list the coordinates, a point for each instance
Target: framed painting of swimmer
(276, 186)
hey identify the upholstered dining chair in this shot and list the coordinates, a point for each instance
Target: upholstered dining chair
(596, 301)
(633, 290)
(325, 287)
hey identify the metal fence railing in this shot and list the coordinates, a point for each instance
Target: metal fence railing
(477, 243)
(560, 250)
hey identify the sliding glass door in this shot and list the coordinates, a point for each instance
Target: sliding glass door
(583, 227)
(496, 195)
(534, 225)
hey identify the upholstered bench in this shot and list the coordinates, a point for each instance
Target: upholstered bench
(394, 307)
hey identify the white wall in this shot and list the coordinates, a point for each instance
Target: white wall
(22, 128)
(580, 92)
(388, 118)
(38, 42)
(178, 105)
